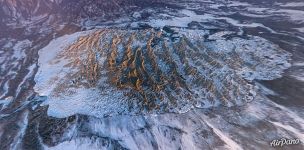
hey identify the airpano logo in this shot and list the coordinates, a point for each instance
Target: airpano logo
(284, 141)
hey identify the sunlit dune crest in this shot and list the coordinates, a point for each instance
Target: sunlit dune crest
(155, 72)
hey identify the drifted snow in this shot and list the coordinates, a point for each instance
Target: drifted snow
(46, 56)
(269, 64)
(251, 126)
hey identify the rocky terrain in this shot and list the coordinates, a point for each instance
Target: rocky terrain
(137, 74)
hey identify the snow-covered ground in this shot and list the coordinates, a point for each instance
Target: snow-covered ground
(269, 62)
(267, 36)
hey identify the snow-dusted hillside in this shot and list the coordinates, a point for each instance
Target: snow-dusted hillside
(151, 74)
(111, 71)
